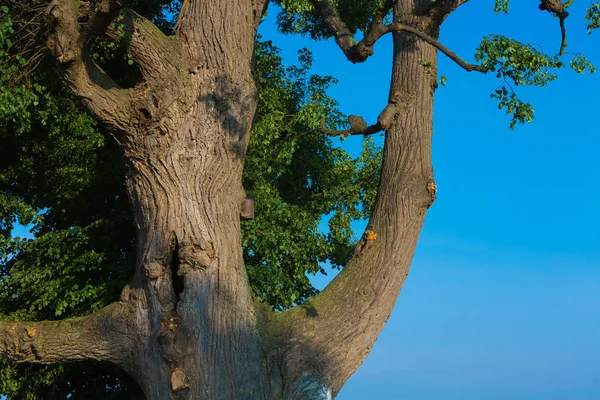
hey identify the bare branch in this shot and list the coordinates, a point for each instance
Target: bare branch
(360, 51)
(557, 9)
(397, 27)
(94, 337)
(358, 125)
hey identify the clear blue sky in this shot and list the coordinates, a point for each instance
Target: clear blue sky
(503, 298)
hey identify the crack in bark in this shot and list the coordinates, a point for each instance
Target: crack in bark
(177, 276)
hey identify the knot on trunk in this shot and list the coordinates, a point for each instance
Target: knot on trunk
(28, 344)
(178, 380)
(192, 256)
(155, 269)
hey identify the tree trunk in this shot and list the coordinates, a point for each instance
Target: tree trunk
(192, 329)
(342, 323)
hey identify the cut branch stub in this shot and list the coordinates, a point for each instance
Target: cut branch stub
(247, 211)
(178, 381)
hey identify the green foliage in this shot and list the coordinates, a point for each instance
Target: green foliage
(60, 176)
(299, 16)
(521, 112)
(97, 381)
(581, 65)
(298, 175)
(501, 6)
(520, 63)
(593, 17)
(516, 64)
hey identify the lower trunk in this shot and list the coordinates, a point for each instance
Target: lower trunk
(199, 332)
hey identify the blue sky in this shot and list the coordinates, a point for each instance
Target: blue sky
(503, 298)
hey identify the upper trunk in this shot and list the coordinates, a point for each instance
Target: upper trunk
(341, 324)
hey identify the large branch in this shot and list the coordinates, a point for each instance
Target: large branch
(99, 336)
(440, 10)
(360, 51)
(159, 57)
(103, 97)
(333, 332)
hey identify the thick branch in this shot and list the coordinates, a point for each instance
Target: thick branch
(158, 56)
(334, 331)
(440, 10)
(96, 337)
(360, 51)
(103, 97)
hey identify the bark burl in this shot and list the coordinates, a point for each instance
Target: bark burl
(187, 326)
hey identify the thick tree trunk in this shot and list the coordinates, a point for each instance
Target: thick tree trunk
(188, 323)
(198, 322)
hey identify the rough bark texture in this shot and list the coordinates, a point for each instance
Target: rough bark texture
(103, 336)
(343, 322)
(188, 326)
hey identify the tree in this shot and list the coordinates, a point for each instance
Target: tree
(188, 325)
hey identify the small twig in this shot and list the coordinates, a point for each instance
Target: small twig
(385, 120)
(357, 129)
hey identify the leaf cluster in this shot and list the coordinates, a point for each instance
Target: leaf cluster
(298, 175)
(299, 16)
(592, 16)
(517, 64)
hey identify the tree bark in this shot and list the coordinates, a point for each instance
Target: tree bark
(103, 336)
(192, 327)
(341, 324)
